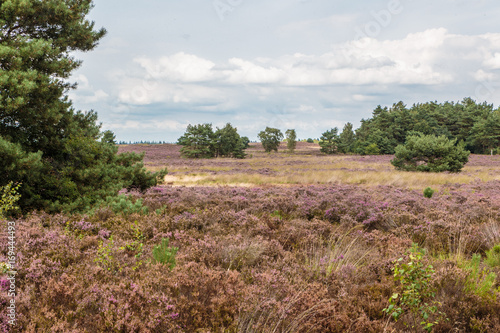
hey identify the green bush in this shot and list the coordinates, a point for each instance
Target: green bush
(493, 256)
(164, 254)
(372, 149)
(8, 199)
(428, 192)
(479, 281)
(106, 256)
(416, 293)
(121, 205)
(430, 153)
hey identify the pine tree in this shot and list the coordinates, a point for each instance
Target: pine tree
(54, 151)
(329, 141)
(346, 139)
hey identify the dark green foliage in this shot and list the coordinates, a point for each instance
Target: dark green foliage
(309, 140)
(200, 141)
(246, 142)
(270, 138)
(164, 254)
(430, 153)
(486, 132)
(329, 141)
(47, 146)
(228, 142)
(477, 125)
(122, 205)
(371, 149)
(291, 140)
(108, 137)
(346, 139)
(428, 192)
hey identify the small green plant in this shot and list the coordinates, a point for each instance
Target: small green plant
(428, 192)
(493, 256)
(277, 214)
(4, 267)
(136, 247)
(123, 205)
(105, 258)
(479, 281)
(164, 254)
(8, 198)
(416, 293)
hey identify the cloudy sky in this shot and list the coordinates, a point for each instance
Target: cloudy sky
(305, 64)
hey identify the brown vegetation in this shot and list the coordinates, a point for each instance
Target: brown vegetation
(305, 257)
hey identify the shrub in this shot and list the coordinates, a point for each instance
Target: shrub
(164, 254)
(106, 256)
(428, 192)
(122, 205)
(136, 247)
(8, 198)
(479, 281)
(493, 256)
(430, 153)
(371, 149)
(416, 293)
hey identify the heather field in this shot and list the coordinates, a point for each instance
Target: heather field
(306, 166)
(272, 243)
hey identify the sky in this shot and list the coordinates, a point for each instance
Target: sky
(308, 65)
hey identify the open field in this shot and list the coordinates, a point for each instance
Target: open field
(306, 166)
(308, 244)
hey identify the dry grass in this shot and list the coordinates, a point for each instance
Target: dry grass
(307, 166)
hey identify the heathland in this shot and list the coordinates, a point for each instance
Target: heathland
(275, 242)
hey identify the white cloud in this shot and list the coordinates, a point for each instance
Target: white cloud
(481, 76)
(247, 72)
(179, 67)
(86, 94)
(493, 62)
(148, 125)
(415, 59)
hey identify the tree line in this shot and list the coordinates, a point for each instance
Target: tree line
(475, 126)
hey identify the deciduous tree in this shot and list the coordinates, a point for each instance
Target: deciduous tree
(270, 138)
(291, 140)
